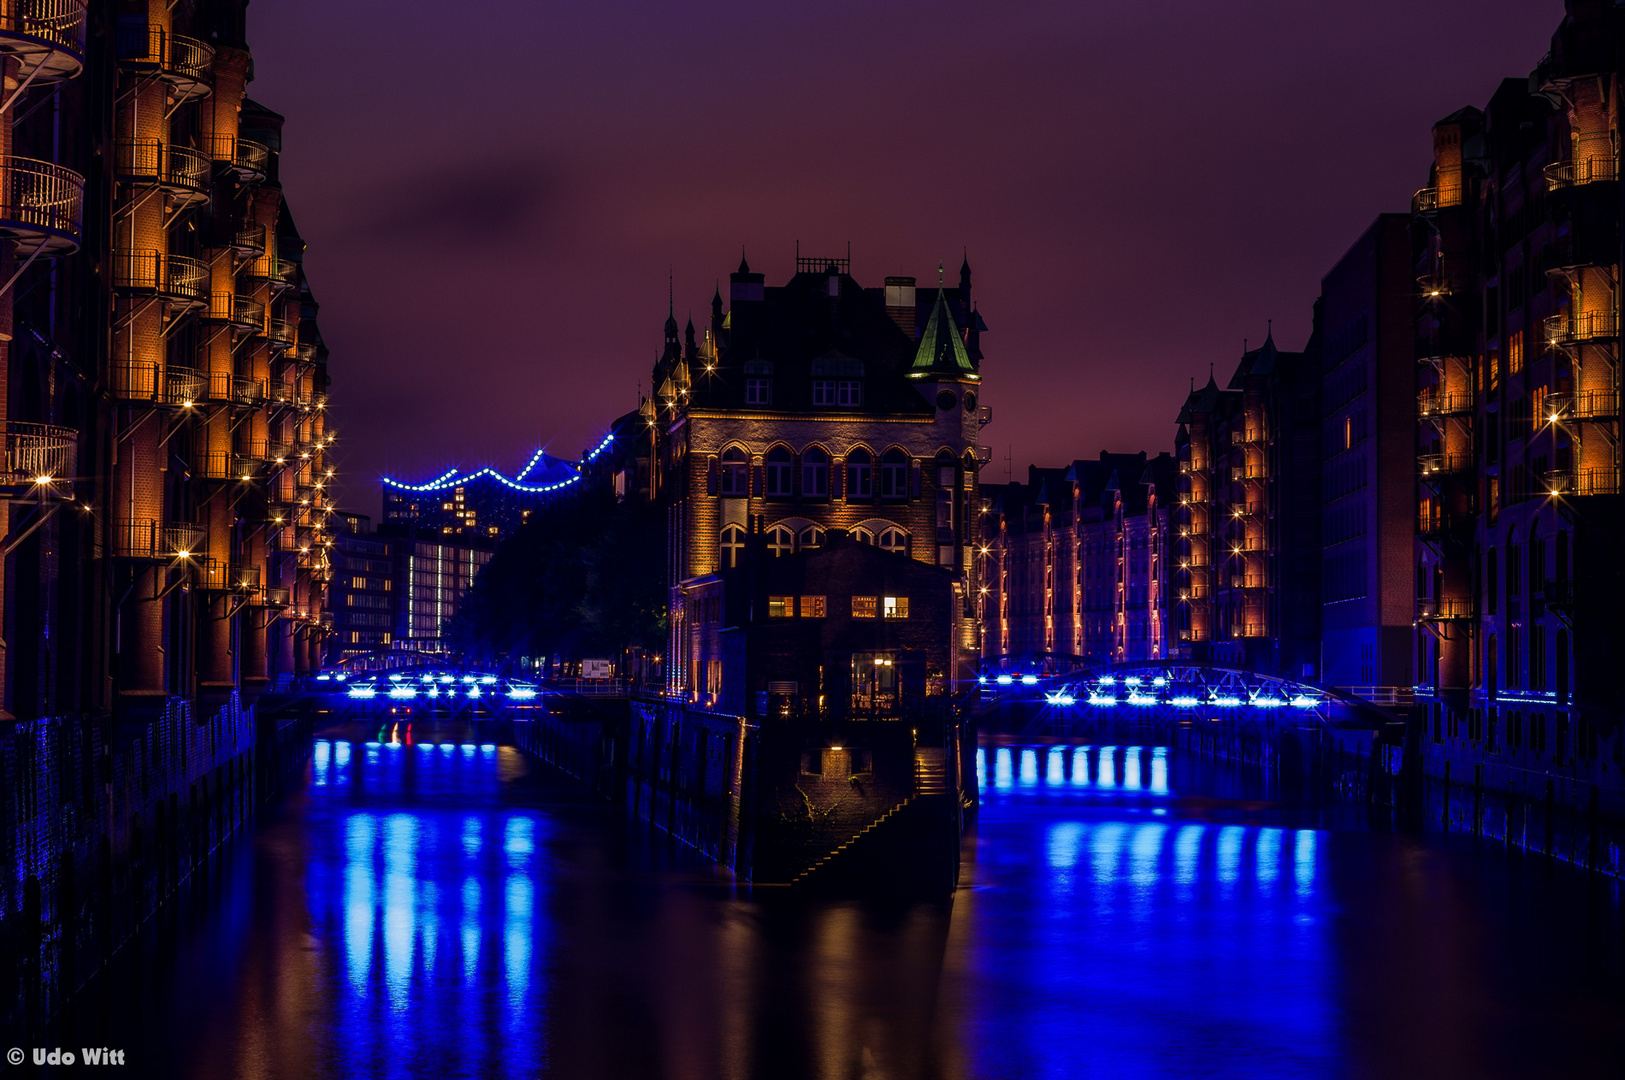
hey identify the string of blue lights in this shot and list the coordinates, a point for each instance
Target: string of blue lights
(451, 478)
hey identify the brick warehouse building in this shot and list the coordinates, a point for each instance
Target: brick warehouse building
(1516, 242)
(163, 390)
(816, 405)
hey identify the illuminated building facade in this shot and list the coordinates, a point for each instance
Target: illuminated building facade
(363, 593)
(1516, 244)
(813, 406)
(1248, 574)
(166, 385)
(481, 502)
(163, 394)
(1076, 563)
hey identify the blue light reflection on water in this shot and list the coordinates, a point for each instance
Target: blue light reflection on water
(1107, 927)
(402, 894)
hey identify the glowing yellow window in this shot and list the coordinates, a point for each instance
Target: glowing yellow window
(780, 607)
(865, 607)
(811, 607)
(896, 607)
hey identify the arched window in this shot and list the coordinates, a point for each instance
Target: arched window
(778, 473)
(734, 479)
(894, 540)
(894, 474)
(862, 535)
(781, 540)
(815, 473)
(859, 475)
(732, 546)
(811, 537)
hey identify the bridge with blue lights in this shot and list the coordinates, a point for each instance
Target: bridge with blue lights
(1164, 690)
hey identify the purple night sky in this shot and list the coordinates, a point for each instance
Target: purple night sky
(492, 192)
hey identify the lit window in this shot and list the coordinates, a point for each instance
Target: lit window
(811, 607)
(733, 544)
(864, 607)
(896, 607)
(780, 607)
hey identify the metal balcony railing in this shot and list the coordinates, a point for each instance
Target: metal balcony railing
(247, 314)
(1590, 170)
(183, 386)
(1579, 326)
(1247, 630)
(247, 158)
(181, 61)
(1440, 610)
(145, 538)
(1440, 465)
(1604, 481)
(283, 334)
(1254, 581)
(45, 34)
(179, 279)
(135, 380)
(247, 391)
(43, 207)
(38, 454)
(1425, 201)
(276, 596)
(1433, 402)
(1594, 405)
(179, 170)
(249, 242)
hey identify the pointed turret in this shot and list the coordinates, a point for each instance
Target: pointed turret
(942, 350)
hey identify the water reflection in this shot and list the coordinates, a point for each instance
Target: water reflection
(439, 910)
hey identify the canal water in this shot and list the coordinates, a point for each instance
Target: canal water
(454, 910)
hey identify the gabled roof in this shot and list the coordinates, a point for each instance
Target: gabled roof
(942, 350)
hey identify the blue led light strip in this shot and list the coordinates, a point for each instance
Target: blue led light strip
(450, 478)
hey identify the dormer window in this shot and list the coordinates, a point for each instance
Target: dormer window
(758, 383)
(837, 381)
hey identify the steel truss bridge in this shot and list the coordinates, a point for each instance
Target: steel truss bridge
(1174, 691)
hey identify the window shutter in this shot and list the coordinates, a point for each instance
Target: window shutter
(711, 475)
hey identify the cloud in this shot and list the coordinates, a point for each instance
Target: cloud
(481, 205)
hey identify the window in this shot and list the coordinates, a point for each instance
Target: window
(865, 607)
(734, 480)
(780, 607)
(811, 537)
(861, 535)
(811, 607)
(823, 391)
(896, 607)
(945, 504)
(778, 473)
(894, 540)
(781, 540)
(733, 544)
(859, 475)
(758, 383)
(1514, 352)
(849, 392)
(815, 474)
(894, 475)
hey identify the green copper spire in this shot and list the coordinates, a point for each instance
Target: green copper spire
(942, 350)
